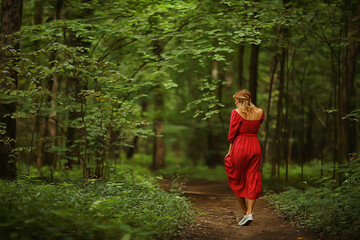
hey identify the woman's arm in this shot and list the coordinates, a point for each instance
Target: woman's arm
(234, 125)
(230, 146)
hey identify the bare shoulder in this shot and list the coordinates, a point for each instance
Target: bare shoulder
(259, 111)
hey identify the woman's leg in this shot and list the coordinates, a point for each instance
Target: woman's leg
(251, 203)
(242, 203)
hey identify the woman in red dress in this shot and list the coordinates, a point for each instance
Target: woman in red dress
(242, 162)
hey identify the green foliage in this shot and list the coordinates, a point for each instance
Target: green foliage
(330, 209)
(70, 210)
(354, 115)
(99, 98)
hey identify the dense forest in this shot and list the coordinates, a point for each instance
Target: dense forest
(100, 100)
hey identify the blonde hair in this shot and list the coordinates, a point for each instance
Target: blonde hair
(244, 104)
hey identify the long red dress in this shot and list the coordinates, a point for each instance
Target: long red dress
(242, 165)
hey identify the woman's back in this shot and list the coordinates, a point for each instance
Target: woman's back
(256, 115)
(252, 125)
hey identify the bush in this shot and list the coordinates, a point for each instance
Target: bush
(110, 210)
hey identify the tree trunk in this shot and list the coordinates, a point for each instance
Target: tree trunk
(11, 16)
(41, 144)
(347, 91)
(276, 143)
(53, 87)
(253, 69)
(73, 152)
(289, 146)
(335, 120)
(76, 84)
(326, 130)
(133, 149)
(51, 129)
(309, 142)
(52, 126)
(38, 18)
(159, 145)
(288, 124)
(241, 67)
(268, 116)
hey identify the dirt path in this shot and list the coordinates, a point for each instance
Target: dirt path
(217, 212)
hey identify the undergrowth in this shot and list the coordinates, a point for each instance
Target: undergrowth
(330, 209)
(72, 210)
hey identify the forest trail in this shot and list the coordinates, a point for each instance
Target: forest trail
(218, 211)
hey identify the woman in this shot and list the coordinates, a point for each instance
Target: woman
(242, 162)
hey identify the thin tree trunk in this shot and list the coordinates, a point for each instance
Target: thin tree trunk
(335, 120)
(309, 142)
(287, 124)
(51, 130)
(53, 86)
(38, 18)
(159, 145)
(276, 153)
(274, 63)
(253, 69)
(337, 104)
(290, 144)
(221, 79)
(132, 150)
(52, 126)
(347, 90)
(41, 144)
(291, 117)
(275, 159)
(324, 137)
(302, 129)
(75, 84)
(241, 66)
(11, 17)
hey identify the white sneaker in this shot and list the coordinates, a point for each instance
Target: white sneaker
(239, 218)
(246, 220)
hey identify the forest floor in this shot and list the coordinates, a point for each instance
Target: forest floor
(218, 212)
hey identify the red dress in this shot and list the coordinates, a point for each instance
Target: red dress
(242, 165)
